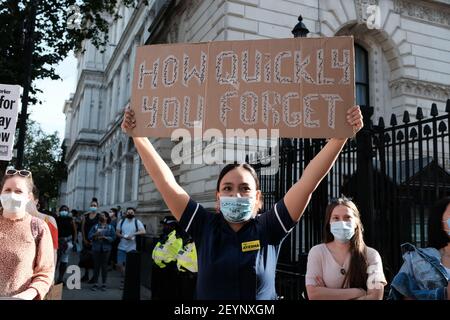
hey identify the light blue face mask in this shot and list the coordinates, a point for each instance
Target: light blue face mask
(236, 210)
(342, 231)
(64, 213)
(93, 209)
(448, 224)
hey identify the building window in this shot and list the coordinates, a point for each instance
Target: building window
(361, 76)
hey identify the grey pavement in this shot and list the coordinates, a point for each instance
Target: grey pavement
(113, 291)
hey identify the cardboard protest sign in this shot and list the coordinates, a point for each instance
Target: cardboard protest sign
(301, 86)
(9, 109)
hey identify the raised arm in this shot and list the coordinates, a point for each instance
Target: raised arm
(298, 196)
(174, 196)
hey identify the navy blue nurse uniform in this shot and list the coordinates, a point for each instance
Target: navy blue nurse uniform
(236, 265)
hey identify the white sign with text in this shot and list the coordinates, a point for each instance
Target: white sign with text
(9, 109)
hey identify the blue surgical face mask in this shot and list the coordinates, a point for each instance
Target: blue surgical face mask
(93, 209)
(236, 210)
(342, 231)
(448, 224)
(64, 213)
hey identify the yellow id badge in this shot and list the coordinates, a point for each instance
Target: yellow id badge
(250, 246)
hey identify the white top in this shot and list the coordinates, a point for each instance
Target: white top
(322, 263)
(128, 228)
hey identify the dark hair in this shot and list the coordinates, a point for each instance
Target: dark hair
(437, 237)
(246, 166)
(131, 208)
(233, 166)
(63, 206)
(74, 212)
(114, 210)
(94, 200)
(356, 276)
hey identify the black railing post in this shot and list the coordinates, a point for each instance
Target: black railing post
(447, 109)
(132, 283)
(434, 113)
(365, 183)
(420, 117)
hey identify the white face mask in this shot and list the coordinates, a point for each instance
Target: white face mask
(13, 202)
(342, 231)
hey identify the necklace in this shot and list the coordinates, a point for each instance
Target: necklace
(334, 254)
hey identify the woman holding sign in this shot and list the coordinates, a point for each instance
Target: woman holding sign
(238, 249)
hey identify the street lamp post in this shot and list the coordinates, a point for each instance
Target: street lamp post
(299, 31)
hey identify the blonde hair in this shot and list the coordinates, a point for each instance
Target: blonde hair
(29, 181)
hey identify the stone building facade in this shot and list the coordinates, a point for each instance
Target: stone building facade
(402, 64)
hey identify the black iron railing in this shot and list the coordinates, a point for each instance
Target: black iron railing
(394, 174)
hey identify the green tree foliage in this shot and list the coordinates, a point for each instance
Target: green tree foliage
(44, 157)
(61, 26)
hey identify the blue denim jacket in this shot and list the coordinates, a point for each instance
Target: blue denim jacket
(421, 277)
(102, 245)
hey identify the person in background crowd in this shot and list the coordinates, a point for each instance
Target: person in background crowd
(66, 239)
(89, 219)
(343, 267)
(165, 284)
(102, 235)
(127, 230)
(112, 217)
(113, 256)
(175, 264)
(77, 219)
(33, 208)
(27, 264)
(425, 273)
(120, 214)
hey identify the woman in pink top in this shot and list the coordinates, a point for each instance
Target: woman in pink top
(26, 252)
(343, 267)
